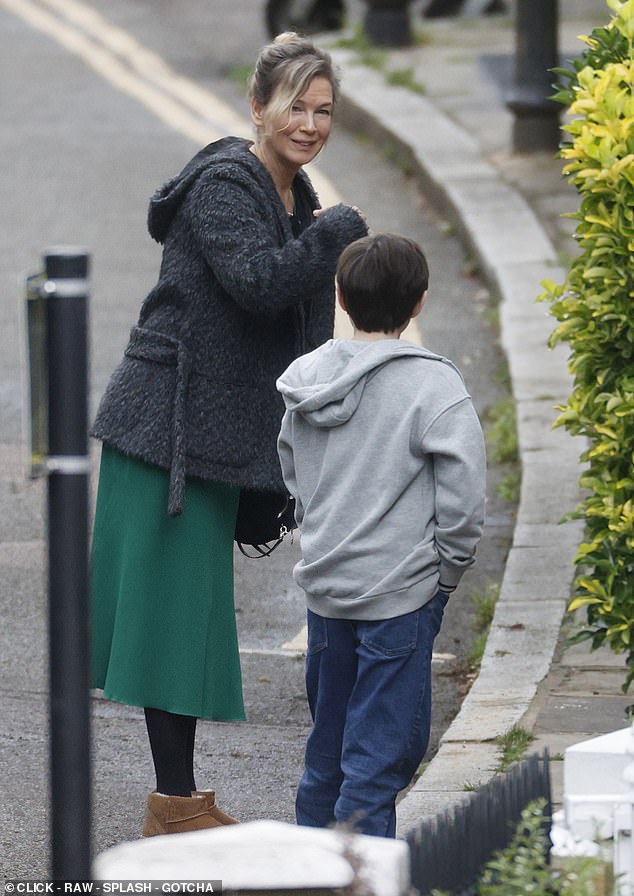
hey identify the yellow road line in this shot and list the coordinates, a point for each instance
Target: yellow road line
(150, 66)
(108, 67)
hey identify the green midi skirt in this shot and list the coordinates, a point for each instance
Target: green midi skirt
(163, 620)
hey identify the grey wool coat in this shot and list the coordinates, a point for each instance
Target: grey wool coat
(238, 298)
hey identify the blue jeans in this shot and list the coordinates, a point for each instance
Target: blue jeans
(369, 692)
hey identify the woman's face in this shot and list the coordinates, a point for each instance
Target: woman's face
(296, 140)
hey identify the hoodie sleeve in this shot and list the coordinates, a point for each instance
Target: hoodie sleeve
(287, 462)
(456, 442)
(247, 244)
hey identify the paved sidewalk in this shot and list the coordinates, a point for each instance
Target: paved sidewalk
(457, 136)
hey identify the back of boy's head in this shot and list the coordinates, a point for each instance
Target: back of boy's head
(382, 278)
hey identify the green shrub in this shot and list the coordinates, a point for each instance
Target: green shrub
(595, 310)
(523, 867)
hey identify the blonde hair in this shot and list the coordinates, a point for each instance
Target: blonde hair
(283, 71)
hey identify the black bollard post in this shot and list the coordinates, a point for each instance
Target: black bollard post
(387, 23)
(65, 288)
(536, 124)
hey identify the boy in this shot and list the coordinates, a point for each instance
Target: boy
(383, 452)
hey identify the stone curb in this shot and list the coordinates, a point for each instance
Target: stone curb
(498, 226)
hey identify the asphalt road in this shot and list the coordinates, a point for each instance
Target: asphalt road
(91, 126)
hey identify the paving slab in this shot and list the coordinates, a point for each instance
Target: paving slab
(584, 714)
(584, 680)
(582, 656)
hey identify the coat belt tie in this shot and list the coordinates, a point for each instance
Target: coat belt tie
(150, 345)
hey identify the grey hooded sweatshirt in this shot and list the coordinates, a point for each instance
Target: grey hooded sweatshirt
(383, 451)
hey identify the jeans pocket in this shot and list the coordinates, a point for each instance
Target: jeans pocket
(317, 633)
(391, 637)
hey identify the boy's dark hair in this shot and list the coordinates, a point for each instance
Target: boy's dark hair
(381, 278)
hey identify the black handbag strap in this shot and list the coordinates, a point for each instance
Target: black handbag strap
(265, 550)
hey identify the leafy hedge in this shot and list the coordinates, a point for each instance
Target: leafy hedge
(595, 310)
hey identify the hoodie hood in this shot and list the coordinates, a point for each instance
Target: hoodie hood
(168, 198)
(326, 386)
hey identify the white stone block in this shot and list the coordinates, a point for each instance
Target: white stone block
(596, 793)
(596, 766)
(266, 856)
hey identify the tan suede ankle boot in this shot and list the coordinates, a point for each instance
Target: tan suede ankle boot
(212, 808)
(177, 814)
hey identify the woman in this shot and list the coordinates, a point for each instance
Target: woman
(191, 414)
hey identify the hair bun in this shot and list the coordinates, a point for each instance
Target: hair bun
(287, 37)
(284, 69)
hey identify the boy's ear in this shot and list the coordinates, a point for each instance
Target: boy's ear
(418, 307)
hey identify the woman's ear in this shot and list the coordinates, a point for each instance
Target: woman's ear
(257, 116)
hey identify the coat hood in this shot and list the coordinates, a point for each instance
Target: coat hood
(326, 386)
(168, 198)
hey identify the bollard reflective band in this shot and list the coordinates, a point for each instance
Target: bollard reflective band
(65, 289)
(73, 465)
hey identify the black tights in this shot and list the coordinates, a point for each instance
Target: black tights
(172, 739)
